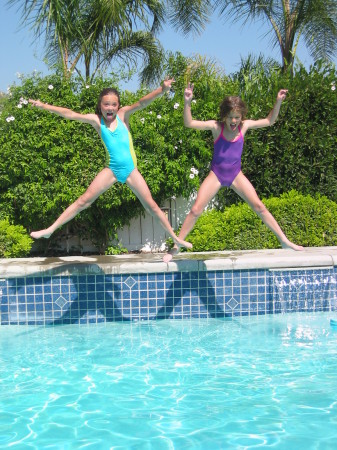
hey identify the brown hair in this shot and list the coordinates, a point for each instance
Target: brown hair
(232, 103)
(104, 92)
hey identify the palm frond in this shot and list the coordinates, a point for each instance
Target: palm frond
(189, 16)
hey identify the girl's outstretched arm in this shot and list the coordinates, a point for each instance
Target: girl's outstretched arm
(66, 113)
(272, 116)
(189, 122)
(125, 112)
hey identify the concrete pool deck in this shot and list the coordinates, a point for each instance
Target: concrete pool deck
(313, 257)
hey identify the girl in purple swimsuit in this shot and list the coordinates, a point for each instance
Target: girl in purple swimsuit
(228, 135)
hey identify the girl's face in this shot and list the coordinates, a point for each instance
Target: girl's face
(109, 106)
(233, 120)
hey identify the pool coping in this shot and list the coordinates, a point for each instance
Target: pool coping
(273, 259)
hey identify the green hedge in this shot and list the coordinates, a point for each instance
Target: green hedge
(14, 241)
(308, 221)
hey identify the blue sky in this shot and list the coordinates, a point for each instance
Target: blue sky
(224, 41)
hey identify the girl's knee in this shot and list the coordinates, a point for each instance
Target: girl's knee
(259, 207)
(84, 201)
(196, 211)
(152, 208)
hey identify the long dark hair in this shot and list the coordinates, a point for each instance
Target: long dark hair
(106, 91)
(232, 103)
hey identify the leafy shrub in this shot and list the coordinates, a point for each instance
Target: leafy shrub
(308, 221)
(14, 241)
(116, 248)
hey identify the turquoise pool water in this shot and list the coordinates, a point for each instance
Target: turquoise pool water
(245, 383)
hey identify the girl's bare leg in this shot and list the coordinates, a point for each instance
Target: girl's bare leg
(138, 185)
(207, 191)
(102, 182)
(243, 187)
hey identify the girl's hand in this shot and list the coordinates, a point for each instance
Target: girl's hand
(188, 94)
(36, 103)
(282, 95)
(166, 86)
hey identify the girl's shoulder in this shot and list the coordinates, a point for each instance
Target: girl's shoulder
(217, 129)
(89, 118)
(214, 125)
(246, 125)
(92, 117)
(94, 120)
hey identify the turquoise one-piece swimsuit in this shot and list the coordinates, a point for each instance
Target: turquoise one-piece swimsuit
(121, 157)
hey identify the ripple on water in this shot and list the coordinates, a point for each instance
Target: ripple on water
(210, 384)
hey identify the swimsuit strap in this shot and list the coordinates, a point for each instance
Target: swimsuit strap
(240, 131)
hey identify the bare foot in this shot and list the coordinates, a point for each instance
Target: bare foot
(40, 234)
(169, 256)
(292, 246)
(181, 243)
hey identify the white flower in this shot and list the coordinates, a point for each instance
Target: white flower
(21, 99)
(19, 105)
(180, 141)
(159, 116)
(50, 87)
(142, 120)
(87, 86)
(176, 106)
(194, 101)
(10, 119)
(25, 102)
(150, 112)
(191, 175)
(333, 87)
(176, 147)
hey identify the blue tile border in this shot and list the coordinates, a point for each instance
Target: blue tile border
(95, 298)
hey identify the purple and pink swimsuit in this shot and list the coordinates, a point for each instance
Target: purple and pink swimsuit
(226, 162)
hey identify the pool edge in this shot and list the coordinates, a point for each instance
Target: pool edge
(185, 262)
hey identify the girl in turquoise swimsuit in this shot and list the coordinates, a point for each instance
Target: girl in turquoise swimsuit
(112, 124)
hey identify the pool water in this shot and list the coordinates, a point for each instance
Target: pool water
(246, 383)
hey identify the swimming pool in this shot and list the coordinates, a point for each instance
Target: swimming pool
(241, 383)
(77, 290)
